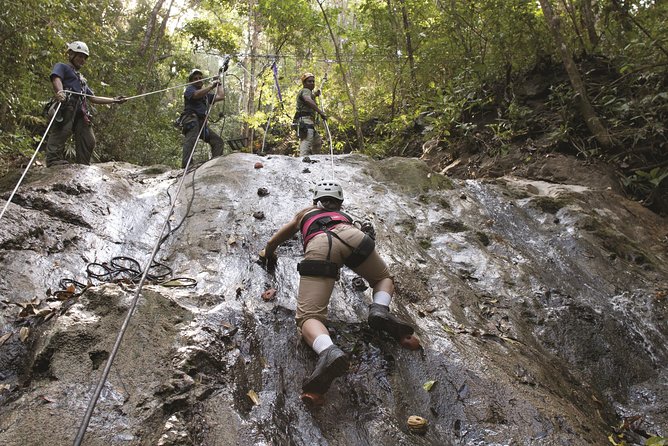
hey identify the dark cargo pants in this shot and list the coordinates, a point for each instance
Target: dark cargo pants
(73, 123)
(191, 123)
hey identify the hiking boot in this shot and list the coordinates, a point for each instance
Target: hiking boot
(332, 363)
(381, 319)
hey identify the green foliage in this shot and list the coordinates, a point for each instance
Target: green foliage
(645, 184)
(458, 79)
(209, 36)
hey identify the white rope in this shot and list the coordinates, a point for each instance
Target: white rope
(143, 94)
(25, 171)
(329, 134)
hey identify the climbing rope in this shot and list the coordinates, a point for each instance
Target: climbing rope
(143, 94)
(25, 171)
(135, 299)
(274, 69)
(329, 134)
(121, 270)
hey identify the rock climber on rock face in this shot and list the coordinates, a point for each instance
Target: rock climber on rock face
(330, 241)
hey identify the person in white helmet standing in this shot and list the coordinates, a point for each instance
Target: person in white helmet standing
(331, 240)
(310, 141)
(74, 115)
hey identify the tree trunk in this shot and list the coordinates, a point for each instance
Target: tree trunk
(589, 21)
(158, 38)
(594, 124)
(249, 76)
(339, 61)
(409, 44)
(570, 10)
(150, 27)
(146, 42)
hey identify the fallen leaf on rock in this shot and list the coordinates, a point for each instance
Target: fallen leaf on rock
(46, 399)
(24, 333)
(4, 337)
(253, 396)
(44, 312)
(428, 385)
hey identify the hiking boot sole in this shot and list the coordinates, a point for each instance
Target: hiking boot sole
(395, 328)
(321, 384)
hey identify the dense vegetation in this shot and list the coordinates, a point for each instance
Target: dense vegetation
(586, 77)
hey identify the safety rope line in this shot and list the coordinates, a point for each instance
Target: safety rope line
(25, 171)
(329, 134)
(135, 299)
(143, 94)
(369, 57)
(274, 69)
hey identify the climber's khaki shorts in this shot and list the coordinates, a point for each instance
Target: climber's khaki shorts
(315, 292)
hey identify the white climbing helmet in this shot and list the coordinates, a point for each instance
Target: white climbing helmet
(78, 47)
(193, 72)
(328, 189)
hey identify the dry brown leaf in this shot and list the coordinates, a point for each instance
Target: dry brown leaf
(24, 332)
(43, 312)
(253, 396)
(4, 337)
(71, 288)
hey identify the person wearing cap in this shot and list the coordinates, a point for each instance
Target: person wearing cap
(197, 101)
(331, 240)
(310, 140)
(74, 118)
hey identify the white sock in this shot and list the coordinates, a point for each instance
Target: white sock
(382, 297)
(321, 343)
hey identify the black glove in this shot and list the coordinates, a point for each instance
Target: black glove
(368, 229)
(226, 64)
(268, 262)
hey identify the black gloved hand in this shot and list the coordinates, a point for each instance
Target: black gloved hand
(368, 229)
(267, 261)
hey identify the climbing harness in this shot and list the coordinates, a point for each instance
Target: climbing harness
(320, 221)
(318, 268)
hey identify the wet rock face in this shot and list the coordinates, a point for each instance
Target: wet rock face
(540, 308)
